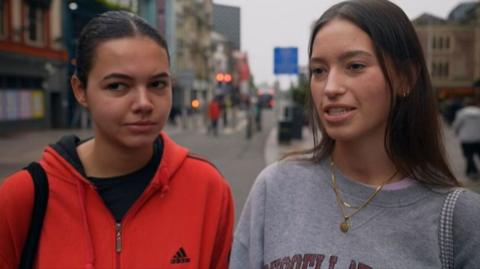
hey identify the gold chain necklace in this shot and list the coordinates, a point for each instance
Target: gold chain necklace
(344, 226)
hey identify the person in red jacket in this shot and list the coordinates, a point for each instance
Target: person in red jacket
(214, 115)
(129, 197)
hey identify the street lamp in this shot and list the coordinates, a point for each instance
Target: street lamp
(73, 5)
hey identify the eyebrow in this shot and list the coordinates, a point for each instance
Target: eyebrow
(344, 56)
(124, 76)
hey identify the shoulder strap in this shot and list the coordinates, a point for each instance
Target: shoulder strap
(40, 182)
(445, 233)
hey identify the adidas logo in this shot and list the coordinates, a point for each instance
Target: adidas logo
(180, 257)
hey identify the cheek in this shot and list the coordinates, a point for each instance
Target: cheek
(316, 94)
(104, 111)
(165, 103)
(379, 100)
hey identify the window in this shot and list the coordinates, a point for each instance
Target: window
(441, 43)
(35, 24)
(3, 19)
(440, 69)
(445, 70)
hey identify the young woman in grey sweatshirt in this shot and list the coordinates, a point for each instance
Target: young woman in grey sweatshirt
(371, 191)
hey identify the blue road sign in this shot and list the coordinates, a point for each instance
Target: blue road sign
(285, 61)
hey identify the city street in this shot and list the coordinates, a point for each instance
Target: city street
(239, 159)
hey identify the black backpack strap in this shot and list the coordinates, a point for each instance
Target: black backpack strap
(40, 182)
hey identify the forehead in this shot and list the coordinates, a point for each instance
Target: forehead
(340, 35)
(130, 50)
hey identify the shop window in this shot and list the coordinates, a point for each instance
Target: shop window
(20, 82)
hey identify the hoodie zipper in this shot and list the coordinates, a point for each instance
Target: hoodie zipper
(118, 243)
(118, 225)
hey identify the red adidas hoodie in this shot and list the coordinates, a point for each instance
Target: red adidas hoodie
(184, 218)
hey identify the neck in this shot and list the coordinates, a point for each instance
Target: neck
(107, 160)
(364, 163)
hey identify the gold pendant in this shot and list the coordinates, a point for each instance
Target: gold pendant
(344, 226)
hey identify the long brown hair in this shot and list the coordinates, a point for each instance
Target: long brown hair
(413, 137)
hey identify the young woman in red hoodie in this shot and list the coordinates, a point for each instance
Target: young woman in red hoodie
(129, 197)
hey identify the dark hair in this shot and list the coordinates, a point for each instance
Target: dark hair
(413, 137)
(107, 26)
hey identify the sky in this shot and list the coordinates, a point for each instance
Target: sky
(266, 24)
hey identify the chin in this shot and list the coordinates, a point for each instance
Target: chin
(341, 135)
(140, 141)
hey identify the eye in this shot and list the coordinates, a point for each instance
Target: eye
(356, 67)
(116, 86)
(317, 71)
(158, 84)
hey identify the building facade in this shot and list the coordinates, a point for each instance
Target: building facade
(37, 44)
(226, 21)
(187, 27)
(32, 65)
(452, 47)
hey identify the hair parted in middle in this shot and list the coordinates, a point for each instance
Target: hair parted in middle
(107, 26)
(413, 137)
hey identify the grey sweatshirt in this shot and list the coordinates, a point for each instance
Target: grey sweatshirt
(291, 220)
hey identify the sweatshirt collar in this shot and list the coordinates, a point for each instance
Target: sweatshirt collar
(356, 192)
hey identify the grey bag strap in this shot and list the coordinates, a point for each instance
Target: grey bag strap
(445, 232)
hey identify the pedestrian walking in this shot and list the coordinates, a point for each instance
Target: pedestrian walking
(214, 115)
(467, 128)
(129, 197)
(372, 191)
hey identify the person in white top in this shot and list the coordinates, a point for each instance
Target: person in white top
(467, 128)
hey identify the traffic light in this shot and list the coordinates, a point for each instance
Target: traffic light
(195, 104)
(219, 77)
(223, 78)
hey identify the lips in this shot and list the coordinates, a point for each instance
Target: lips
(338, 113)
(141, 123)
(141, 126)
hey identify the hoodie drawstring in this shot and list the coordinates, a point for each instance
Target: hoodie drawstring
(89, 254)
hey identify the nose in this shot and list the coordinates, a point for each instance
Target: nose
(142, 101)
(334, 84)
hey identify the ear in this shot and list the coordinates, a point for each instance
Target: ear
(407, 81)
(79, 90)
(402, 87)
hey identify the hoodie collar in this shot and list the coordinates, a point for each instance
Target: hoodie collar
(62, 159)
